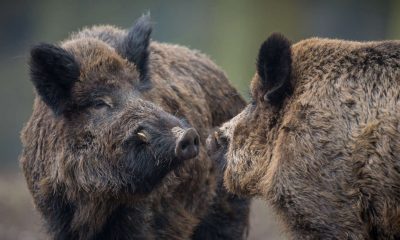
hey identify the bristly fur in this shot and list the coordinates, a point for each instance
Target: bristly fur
(274, 67)
(328, 160)
(53, 73)
(135, 46)
(90, 173)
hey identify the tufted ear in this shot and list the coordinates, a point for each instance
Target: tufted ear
(53, 72)
(274, 68)
(135, 46)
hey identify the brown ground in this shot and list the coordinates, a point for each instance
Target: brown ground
(19, 221)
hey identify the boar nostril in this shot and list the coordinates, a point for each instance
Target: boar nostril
(196, 141)
(187, 145)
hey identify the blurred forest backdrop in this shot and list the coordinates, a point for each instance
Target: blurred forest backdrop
(230, 32)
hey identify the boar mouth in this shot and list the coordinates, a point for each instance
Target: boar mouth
(217, 147)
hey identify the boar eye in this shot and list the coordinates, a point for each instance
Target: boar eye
(100, 103)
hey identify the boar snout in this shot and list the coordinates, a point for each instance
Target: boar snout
(187, 143)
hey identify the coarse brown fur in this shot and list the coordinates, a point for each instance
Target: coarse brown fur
(83, 158)
(321, 139)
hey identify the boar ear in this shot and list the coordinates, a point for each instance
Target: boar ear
(53, 72)
(274, 67)
(135, 46)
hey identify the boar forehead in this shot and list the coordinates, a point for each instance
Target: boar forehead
(101, 65)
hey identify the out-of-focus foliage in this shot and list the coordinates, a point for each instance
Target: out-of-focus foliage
(230, 32)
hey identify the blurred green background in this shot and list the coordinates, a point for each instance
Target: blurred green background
(230, 32)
